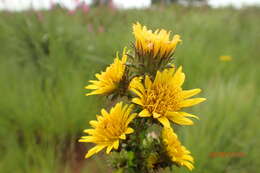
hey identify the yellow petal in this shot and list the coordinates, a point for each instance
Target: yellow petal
(116, 144)
(188, 158)
(132, 116)
(139, 86)
(93, 123)
(191, 102)
(148, 82)
(105, 113)
(185, 114)
(129, 130)
(137, 101)
(99, 118)
(156, 115)
(165, 122)
(109, 148)
(89, 131)
(188, 165)
(87, 139)
(190, 93)
(179, 118)
(178, 77)
(94, 93)
(91, 87)
(137, 92)
(94, 150)
(144, 113)
(122, 136)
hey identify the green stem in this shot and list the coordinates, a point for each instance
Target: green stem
(140, 158)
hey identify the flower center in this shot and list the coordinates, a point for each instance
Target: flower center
(112, 130)
(163, 98)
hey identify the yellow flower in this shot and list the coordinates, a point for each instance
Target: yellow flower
(225, 58)
(152, 160)
(177, 153)
(134, 81)
(164, 98)
(109, 80)
(109, 128)
(157, 44)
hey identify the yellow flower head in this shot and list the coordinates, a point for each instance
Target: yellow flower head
(225, 58)
(109, 129)
(152, 160)
(109, 80)
(164, 98)
(177, 153)
(155, 44)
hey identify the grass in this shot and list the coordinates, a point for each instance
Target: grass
(45, 64)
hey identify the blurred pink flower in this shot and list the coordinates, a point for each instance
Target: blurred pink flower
(72, 12)
(111, 5)
(101, 29)
(85, 8)
(52, 4)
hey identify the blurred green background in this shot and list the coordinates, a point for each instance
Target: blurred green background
(47, 57)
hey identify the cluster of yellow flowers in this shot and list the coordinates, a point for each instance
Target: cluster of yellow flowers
(153, 88)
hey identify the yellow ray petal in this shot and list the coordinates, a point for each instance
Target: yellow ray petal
(185, 114)
(137, 92)
(104, 113)
(179, 77)
(179, 118)
(148, 82)
(93, 93)
(144, 113)
(109, 148)
(175, 150)
(156, 115)
(123, 136)
(188, 158)
(132, 116)
(188, 165)
(129, 130)
(191, 102)
(165, 122)
(89, 131)
(91, 87)
(94, 150)
(116, 144)
(137, 101)
(87, 139)
(93, 123)
(190, 93)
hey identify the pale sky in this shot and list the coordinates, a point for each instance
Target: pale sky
(237, 3)
(71, 4)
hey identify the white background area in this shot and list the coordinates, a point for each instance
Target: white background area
(18, 5)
